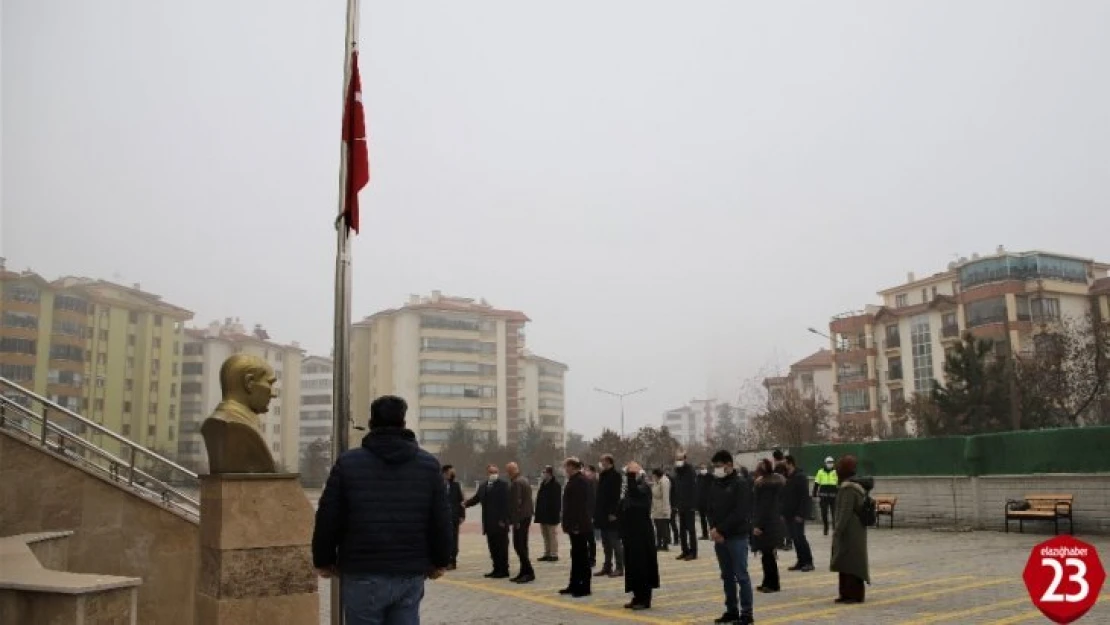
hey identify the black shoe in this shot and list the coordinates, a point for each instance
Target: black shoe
(766, 589)
(635, 605)
(580, 593)
(796, 567)
(728, 617)
(807, 568)
(746, 619)
(490, 574)
(501, 575)
(682, 557)
(566, 591)
(543, 559)
(553, 559)
(846, 600)
(604, 572)
(524, 579)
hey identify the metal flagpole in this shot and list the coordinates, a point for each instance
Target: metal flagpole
(341, 377)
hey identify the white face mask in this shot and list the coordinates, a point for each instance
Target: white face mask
(679, 463)
(719, 472)
(493, 477)
(703, 471)
(829, 467)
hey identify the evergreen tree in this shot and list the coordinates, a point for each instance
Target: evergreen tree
(976, 396)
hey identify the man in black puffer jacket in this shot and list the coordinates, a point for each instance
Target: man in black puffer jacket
(383, 521)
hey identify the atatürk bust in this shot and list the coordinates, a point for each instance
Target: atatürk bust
(233, 433)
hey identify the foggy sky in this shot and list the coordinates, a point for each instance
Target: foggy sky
(672, 191)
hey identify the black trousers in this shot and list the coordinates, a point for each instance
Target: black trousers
(674, 526)
(704, 522)
(828, 510)
(591, 546)
(498, 543)
(642, 596)
(770, 569)
(520, 546)
(455, 544)
(580, 563)
(614, 549)
(662, 533)
(687, 533)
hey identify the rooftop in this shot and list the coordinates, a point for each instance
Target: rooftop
(437, 301)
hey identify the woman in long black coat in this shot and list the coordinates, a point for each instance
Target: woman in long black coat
(641, 564)
(767, 526)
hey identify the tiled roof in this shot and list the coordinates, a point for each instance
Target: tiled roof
(820, 359)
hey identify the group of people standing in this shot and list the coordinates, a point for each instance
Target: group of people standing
(384, 524)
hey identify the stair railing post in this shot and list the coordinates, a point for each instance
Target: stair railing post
(45, 419)
(131, 472)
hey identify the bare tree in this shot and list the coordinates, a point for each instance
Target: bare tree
(791, 419)
(1063, 380)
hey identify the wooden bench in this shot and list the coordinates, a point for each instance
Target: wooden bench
(1041, 508)
(884, 506)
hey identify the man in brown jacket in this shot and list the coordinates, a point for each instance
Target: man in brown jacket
(520, 516)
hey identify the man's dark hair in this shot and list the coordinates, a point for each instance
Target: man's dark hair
(388, 411)
(607, 458)
(549, 469)
(573, 462)
(744, 472)
(788, 459)
(777, 454)
(657, 472)
(592, 468)
(446, 468)
(722, 457)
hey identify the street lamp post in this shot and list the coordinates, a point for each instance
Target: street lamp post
(819, 333)
(621, 396)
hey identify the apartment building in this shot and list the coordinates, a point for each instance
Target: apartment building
(106, 351)
(695, 422)
(205, 351)
(316, 403)
(812, 377)
(886, 353)
(450, 358)
(543, 395)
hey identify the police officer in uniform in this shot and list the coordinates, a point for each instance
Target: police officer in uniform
(824, 488)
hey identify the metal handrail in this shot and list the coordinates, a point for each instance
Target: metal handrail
(63, 434)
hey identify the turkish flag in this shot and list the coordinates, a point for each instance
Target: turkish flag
(354, 137)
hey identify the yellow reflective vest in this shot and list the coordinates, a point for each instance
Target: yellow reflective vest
(825, 481)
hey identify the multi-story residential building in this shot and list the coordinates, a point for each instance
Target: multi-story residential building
(812, 377)
(316, 404)
(694, 423)
(450, 358)
(543, 395)
(107, 351)
(886, 353)
(204, 353)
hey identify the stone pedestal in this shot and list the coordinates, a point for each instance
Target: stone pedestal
(255, 551)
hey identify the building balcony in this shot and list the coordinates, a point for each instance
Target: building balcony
(892, 343)
(949, 331)
(985, 320)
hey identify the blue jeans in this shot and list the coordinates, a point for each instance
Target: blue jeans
(382, 599)
(732, 557)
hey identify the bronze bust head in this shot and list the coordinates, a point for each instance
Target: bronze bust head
(233, 433)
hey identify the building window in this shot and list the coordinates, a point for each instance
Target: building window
(434, 436)
(190, 388)
(985, 311)
(450, 323)
(132, 317)
(1044, 309)
(153, 409)
(21, 293)
(934, 292)
(193, 349)
(19, 373)
(550, 403)
(173, 390)
(897, 400)
(856, 400)
(98, 405)
(154, 388)
(151, 430)
(192, 368)
(457, 390)
(158, 320)
(69, 328)
(26, 321)
(156, 342)
(893, 338)
(103, 335)
(169, 433)
(922, 341)
(20, 346)
(450, 367)
(450, 414)
(127, 407)
(895, 369)
(126, 429)
(316, 400)
(74, 304)
(924, 295)
(901, 300)
(129, 384)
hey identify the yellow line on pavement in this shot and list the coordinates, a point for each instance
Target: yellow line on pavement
(818, 583)
(961, 614)
(566, 605)
(844, 609)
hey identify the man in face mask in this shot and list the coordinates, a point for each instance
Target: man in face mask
(730, 512)
(824, 488)
(549, 502)
(609, 486)
(458, 511)
(686, 502)
(705, 482)
(493, 495)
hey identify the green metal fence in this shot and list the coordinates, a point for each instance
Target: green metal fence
(1071, 450)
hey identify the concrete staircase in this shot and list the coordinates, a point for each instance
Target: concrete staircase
(32, 593)
(87, 517)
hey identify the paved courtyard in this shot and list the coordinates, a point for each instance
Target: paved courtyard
(919, 577)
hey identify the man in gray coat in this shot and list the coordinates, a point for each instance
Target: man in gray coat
(520, 517)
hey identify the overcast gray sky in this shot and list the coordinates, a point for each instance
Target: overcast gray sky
(672, 191)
